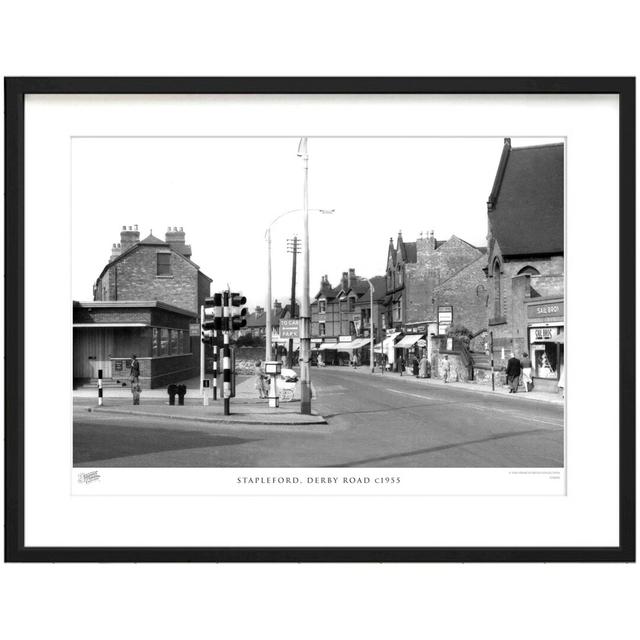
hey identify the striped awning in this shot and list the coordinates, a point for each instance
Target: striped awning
(408, 341)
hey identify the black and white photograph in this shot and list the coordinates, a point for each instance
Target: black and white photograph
(318, 302)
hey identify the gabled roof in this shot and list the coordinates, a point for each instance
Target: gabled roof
(526, 205)
(150, 240)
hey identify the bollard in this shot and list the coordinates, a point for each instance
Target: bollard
(182, 391)
(172, 390)
(99, 387)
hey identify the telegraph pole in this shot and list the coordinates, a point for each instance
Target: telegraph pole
(292, 247)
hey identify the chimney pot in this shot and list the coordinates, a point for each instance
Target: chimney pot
(175, 228)
(168, 228)
(124, 228)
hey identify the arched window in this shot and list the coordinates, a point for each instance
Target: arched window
(497, 291)
(528, 270)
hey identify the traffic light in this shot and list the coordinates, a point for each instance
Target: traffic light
(212, 318)
(238, 311)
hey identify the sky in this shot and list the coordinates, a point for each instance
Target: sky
(225, 192)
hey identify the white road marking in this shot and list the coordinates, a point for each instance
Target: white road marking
(511, 413)
(415, 395)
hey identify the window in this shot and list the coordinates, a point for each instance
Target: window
(352, 305)
(164, 264)
(528, 270)
(155, 347)
(497, 294)
(322, 306)
(322, 329)
(164, 342)
(173, 341)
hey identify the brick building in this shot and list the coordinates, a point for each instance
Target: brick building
(430, 285)
(525, 268)
(144, 300)
(341, 317)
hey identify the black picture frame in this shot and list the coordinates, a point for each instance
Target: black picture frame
(15, 91)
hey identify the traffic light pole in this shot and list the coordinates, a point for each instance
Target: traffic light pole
(226, 352)
(203, 392)
(215, 371)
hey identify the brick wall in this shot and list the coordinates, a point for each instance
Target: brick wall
(466, 293)
(136, 279)
(433, 267)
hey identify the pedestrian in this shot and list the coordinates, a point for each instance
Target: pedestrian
(415, 365)
(401, 365)
(260, 380)
(514, 369)
(526, 371)
(446, 369)
(135, 370)
(135, 390)
(424, 364)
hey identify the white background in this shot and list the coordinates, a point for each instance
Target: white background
(314, 601)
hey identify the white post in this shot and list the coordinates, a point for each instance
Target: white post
(371, 290)
(201, 350)
(268, 329)
(305, 319)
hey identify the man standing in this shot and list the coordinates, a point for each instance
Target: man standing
(135, 370)
(446, 368)
(514, 369)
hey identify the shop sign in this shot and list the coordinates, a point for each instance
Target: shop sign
(290, 328)
(422, 343)
(545, 310)
(344, 338)
(333, 339)
(194, 330)
(543, 334)
(418, 328)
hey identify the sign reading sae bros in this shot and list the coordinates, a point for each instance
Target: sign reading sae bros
(546, 310)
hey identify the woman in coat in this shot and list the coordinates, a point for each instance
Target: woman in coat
(259, 380)
(424, 363)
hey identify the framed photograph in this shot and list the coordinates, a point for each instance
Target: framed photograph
(320, 319)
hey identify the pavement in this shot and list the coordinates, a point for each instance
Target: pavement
(245, 408)
(500, 390)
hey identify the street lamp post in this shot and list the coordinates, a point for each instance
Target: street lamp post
(371, 291)
(305, 315)
(267, 235)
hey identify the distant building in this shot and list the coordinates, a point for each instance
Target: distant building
(257, 321)
(144, 300)
(525, 269)
(341, 316)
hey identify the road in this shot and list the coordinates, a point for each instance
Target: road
(373, 421)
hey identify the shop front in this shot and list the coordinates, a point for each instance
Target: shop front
(546, 334)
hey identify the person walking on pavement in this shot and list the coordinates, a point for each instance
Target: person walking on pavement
(526, 371)
(135, 370)
(514, 369)
(446, 369)
(135, 391)
(259, 380)
(424, 363)
(401, 365)
(416, 365)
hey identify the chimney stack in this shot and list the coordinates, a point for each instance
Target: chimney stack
(175, 238)
(116, 249)
(129, 237)
(351, 277)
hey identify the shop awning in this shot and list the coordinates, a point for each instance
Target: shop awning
(328, 345)
(358, 343)
(386, 343)
(408, 341)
